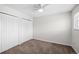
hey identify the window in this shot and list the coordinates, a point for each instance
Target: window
(76, 21)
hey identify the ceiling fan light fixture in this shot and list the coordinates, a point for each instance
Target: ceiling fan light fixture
(41, 10)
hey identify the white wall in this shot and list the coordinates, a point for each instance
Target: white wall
(53, 28)
(13, 31)
(0, 36)
(75, 33)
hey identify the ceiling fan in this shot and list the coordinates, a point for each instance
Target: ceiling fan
(40, 7)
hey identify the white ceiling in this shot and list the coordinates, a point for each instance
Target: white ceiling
(55, 9)
(48, 10)
(24, 8)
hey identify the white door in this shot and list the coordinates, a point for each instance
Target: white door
(22, 31)
(9, 32)
(25, 30)
(28, 27)
(14, 31)
(20, 36)
(3, 31)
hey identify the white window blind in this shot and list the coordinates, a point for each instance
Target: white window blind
(76, 21)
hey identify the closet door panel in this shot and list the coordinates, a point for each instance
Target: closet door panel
(9, 32)
(3, 32)
(20, 36)
(26, 30)
(22, 31)
(12, 31)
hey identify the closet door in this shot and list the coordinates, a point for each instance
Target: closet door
(25, 30)
(0, 33)
(29, 29)
(20, 36)
(12, 31)
(22, 31)
(3, 32)
(9, 32)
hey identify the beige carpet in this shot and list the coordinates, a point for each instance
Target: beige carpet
(40, 47)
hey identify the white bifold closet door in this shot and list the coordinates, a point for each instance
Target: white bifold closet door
(9, 31)
(25, 30)
(13, 31)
